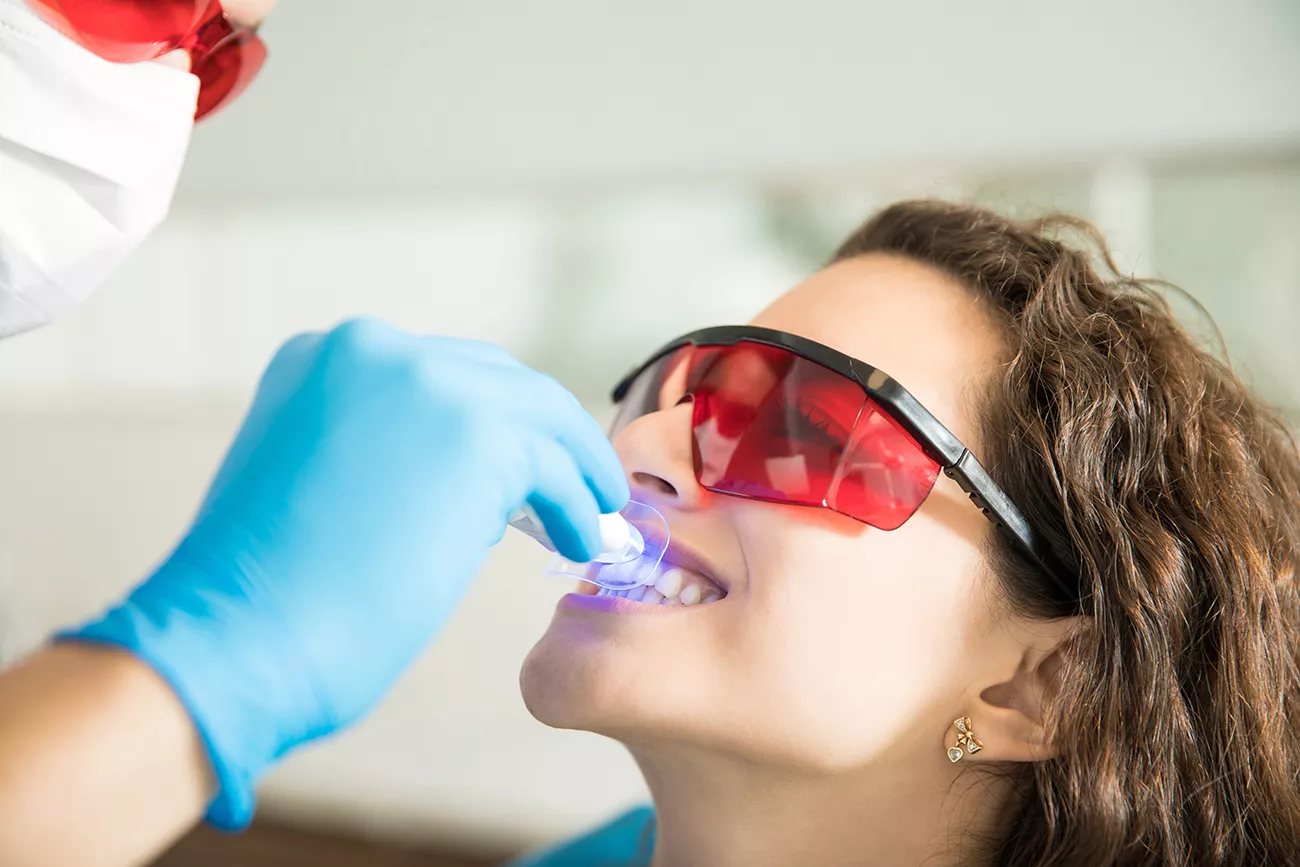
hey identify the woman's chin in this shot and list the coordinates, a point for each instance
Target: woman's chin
(620, 668)
(566, 686)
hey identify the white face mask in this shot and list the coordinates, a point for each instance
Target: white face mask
(90, 152)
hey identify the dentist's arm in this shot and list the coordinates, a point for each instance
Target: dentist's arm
(373, 472)
(100, 764)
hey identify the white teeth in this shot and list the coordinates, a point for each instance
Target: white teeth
(670, 583)
(676, 586)
(618, 572)
(621, 574)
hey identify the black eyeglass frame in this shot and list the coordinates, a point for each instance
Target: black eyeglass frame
(938, 443)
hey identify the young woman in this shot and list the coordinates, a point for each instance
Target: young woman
(1027, 598)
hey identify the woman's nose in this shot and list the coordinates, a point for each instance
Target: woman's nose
(657, 454)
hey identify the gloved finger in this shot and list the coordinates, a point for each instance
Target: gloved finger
(283, 375)
(288, 368)
(584, 439)
(564, 418)
(564, 504)
(601, 469)
(542, 402)
(464, 347)
(491, 359)
(360, 342)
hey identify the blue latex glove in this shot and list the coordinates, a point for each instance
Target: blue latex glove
(372, 474)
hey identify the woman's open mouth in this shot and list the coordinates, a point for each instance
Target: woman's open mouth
(672, 584)
(676, 586)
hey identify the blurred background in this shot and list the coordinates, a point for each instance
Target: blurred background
(580, 181)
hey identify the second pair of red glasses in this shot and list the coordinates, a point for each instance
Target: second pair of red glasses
(224, 56)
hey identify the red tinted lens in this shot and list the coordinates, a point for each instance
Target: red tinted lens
(126, 31)
(656, 387)
(884, 475)
(227, 70)
(770, 424)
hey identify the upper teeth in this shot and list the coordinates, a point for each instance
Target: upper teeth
(676, 586)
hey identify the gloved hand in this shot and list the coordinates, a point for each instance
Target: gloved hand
(372, 474)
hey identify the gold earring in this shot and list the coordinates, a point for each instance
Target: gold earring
(965, 738)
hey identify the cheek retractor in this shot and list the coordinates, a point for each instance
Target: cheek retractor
(632, 544)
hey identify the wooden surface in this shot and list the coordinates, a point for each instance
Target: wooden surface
(270, 845)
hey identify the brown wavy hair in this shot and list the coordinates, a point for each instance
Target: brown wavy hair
(1174, 492)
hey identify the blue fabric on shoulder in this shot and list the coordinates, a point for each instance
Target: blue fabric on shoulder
(628, 841)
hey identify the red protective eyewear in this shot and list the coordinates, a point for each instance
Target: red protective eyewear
(784, 419)
(224, 56)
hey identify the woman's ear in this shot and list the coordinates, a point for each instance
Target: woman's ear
(1007, 718)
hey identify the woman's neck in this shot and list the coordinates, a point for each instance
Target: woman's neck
(717, 811)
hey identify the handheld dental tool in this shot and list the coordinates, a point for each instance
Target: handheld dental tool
(632, 544)
(619, 540)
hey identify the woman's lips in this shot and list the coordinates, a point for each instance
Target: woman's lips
(610, 604)
(683, 556)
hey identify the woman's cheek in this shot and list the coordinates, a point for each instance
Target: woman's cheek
(844, 633)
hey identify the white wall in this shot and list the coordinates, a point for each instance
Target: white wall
(201, 307)
(408, 97)
(204, 303)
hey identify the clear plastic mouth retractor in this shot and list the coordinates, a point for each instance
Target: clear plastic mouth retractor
(633, 542)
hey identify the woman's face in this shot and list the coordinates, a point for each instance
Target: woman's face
(835, 641)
